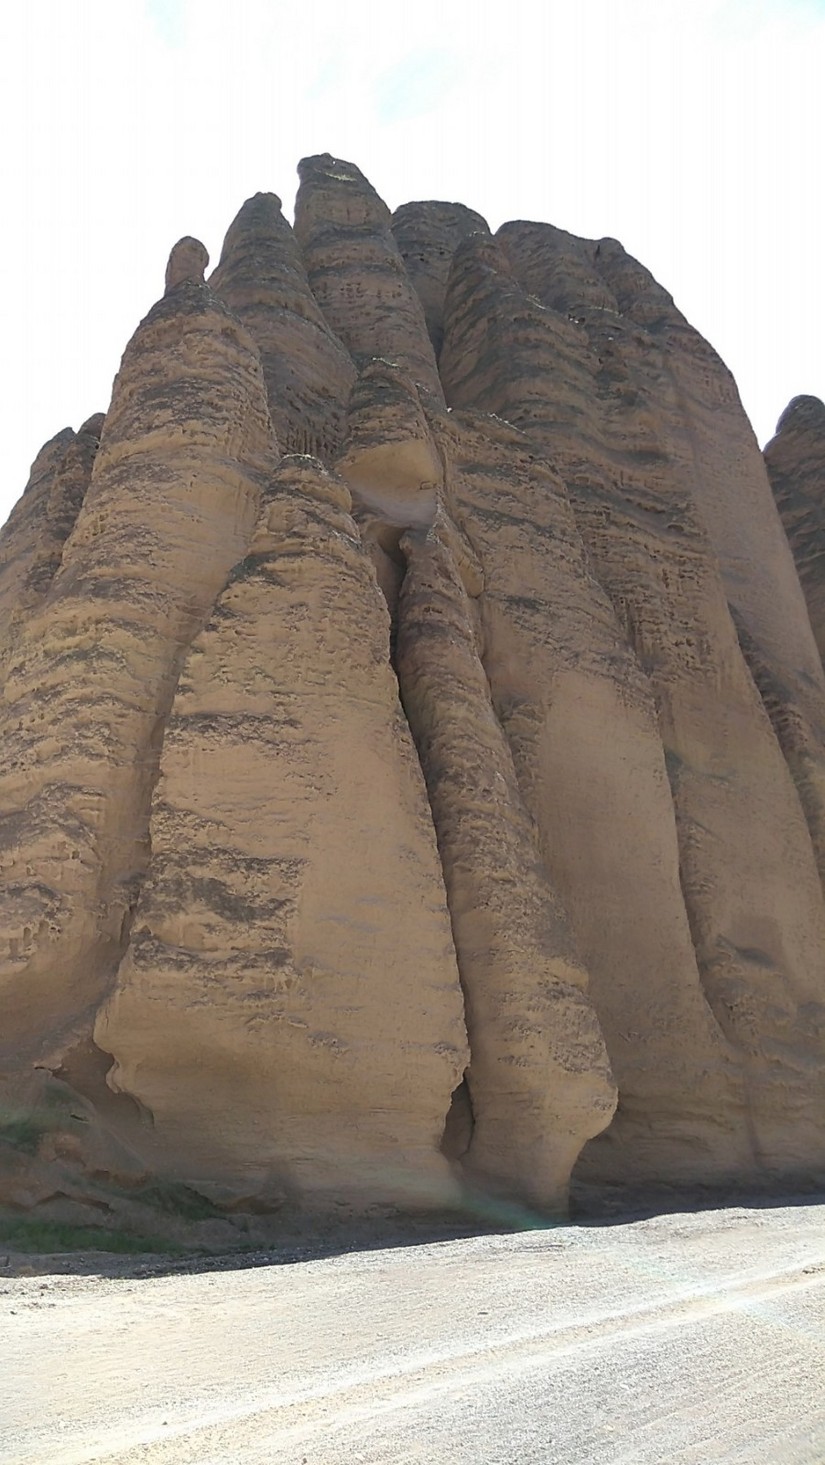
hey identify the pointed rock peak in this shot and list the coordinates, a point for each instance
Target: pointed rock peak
(337, 193)
(256, 221)
(93, 426)
(637, 293)
(324, 167)
(49, 456)
(427, 235)
(187, 263)
(558, 268)
(384, 401)
(803, 411)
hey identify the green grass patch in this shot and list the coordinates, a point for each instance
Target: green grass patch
(25, 1234)
(25, 1128)
(175, 1199)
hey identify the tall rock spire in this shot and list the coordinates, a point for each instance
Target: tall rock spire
(294, 928)
(171, 504)
(590, 390)
(308, 372)
(427, 235)
(357, 273)
(795, 459)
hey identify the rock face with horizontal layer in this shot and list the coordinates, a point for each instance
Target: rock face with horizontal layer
(292, 940)
(32, 540)
(795, 460)
(591, 389)
(427, 235)
(357, 273)
(439, 815)
(90, 678)
(308, 372)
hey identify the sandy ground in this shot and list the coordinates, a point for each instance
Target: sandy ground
(682, 1340)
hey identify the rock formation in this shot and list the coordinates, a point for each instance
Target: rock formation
(308, 372)
(413, 759)
(795, 460)
(294, 925)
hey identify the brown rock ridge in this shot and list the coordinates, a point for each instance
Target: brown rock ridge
(795, 460)
(308, 372)
(32, 540)
(441, 812)
(581, 723)
(539, 1082)
(427, 235)
(172, 500)
(729, 483)
(357, 273)
(591, 390)
(289, 1009)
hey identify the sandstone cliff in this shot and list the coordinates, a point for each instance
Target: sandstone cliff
(795, 460)
(442, 812)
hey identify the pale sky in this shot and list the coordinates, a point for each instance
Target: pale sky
(691, 130)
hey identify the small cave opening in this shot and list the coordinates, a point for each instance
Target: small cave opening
(459, 1123)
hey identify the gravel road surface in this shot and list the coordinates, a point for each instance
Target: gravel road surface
(681, 1340)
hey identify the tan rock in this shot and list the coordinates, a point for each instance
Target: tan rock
(289, 1008)
(795, 460)
(591, 399)
(187, 263)
(356, 271)
(32, 539)
(539, 1080)
(427, 235)
(252, 900)
(171, 505)
(729, 484)
(581, 724)
(308, 372)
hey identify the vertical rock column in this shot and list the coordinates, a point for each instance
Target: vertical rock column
(171, 505)
(539, 1079)
(581, 725)
(356, 271)
(289, 1008)
(729, 483)
(795, 459)
(427, 235)
(307, 370)
(32, 539)
(757, 920)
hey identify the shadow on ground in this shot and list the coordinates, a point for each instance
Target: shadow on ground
(301, 1238)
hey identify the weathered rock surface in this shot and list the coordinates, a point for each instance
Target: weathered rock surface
(795, 460)
(539, 1082)
(357, 273)
(726, 476)
(308, 372)
(446, 812)
(581, 723)
(591, 389)
(32, 540)
(427, 235)
(171, 503)
(290, 1008)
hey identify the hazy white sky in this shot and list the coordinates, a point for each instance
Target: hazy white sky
(691, 130)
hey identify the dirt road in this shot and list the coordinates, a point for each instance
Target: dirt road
(682, 1340)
